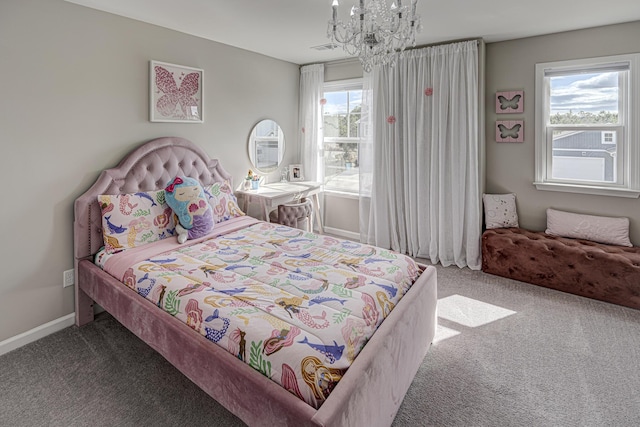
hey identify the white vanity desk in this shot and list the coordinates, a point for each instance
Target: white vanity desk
(269, 196)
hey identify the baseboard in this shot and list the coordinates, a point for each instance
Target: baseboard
(342, 233)
(36, 333)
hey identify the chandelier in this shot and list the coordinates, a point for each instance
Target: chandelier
(375, 31)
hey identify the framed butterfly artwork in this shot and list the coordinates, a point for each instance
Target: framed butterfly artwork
(175, 93)
(510, 102)
(510, 130)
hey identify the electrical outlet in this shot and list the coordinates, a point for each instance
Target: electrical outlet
(67, 278)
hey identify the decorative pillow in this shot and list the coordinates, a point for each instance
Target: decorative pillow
(223, 202)
(186, 198)
(132, 220)
(500, 210)
(601, 229)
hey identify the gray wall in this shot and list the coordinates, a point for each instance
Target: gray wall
(342, 70)
(75, 100)
(510, 166)
(341, 213)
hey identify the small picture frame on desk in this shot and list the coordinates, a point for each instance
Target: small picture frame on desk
(295, 173)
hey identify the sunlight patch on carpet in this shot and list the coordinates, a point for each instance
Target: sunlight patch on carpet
(442, 333)
(470, 312)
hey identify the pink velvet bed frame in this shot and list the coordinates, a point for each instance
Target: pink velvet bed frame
(369, 394)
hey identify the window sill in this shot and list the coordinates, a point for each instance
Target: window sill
(582, 189)
(343, 194)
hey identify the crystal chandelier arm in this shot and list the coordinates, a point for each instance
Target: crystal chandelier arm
(341, 33)
(358, 22)
(332, 32)
(396, 17)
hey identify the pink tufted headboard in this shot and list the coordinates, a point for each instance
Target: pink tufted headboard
(148, 167)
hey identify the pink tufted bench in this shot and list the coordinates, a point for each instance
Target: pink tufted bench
(582, 267)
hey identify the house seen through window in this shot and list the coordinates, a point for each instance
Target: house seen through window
(341, 112)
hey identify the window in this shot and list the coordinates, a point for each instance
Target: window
(608, 137)
(267, 143)
(341, 113)
(586, 131)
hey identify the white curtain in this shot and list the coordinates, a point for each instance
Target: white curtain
(310, 118)
(420, 173)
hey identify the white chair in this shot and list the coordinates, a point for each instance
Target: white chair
(296, 215)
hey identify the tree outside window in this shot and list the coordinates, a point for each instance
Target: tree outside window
(341, 125)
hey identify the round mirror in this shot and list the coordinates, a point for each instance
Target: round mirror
(266, 146)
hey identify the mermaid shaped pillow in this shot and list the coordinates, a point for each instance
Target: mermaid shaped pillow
(185, 196)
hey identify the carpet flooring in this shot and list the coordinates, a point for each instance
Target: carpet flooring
(506, 353)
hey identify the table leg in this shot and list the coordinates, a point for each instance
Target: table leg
(245, 203)
(316, 207)
(265, 211)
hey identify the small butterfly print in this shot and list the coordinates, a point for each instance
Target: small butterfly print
(509, 103)
(509, 133)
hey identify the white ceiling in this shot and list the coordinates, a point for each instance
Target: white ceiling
(288, 29)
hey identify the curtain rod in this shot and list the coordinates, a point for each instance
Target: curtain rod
(477, 39)
(354, 59)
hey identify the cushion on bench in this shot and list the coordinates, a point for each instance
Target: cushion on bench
(582, 267)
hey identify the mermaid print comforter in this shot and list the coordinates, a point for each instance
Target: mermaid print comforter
(296, 306)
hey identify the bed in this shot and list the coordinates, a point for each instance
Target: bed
(369, 392)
